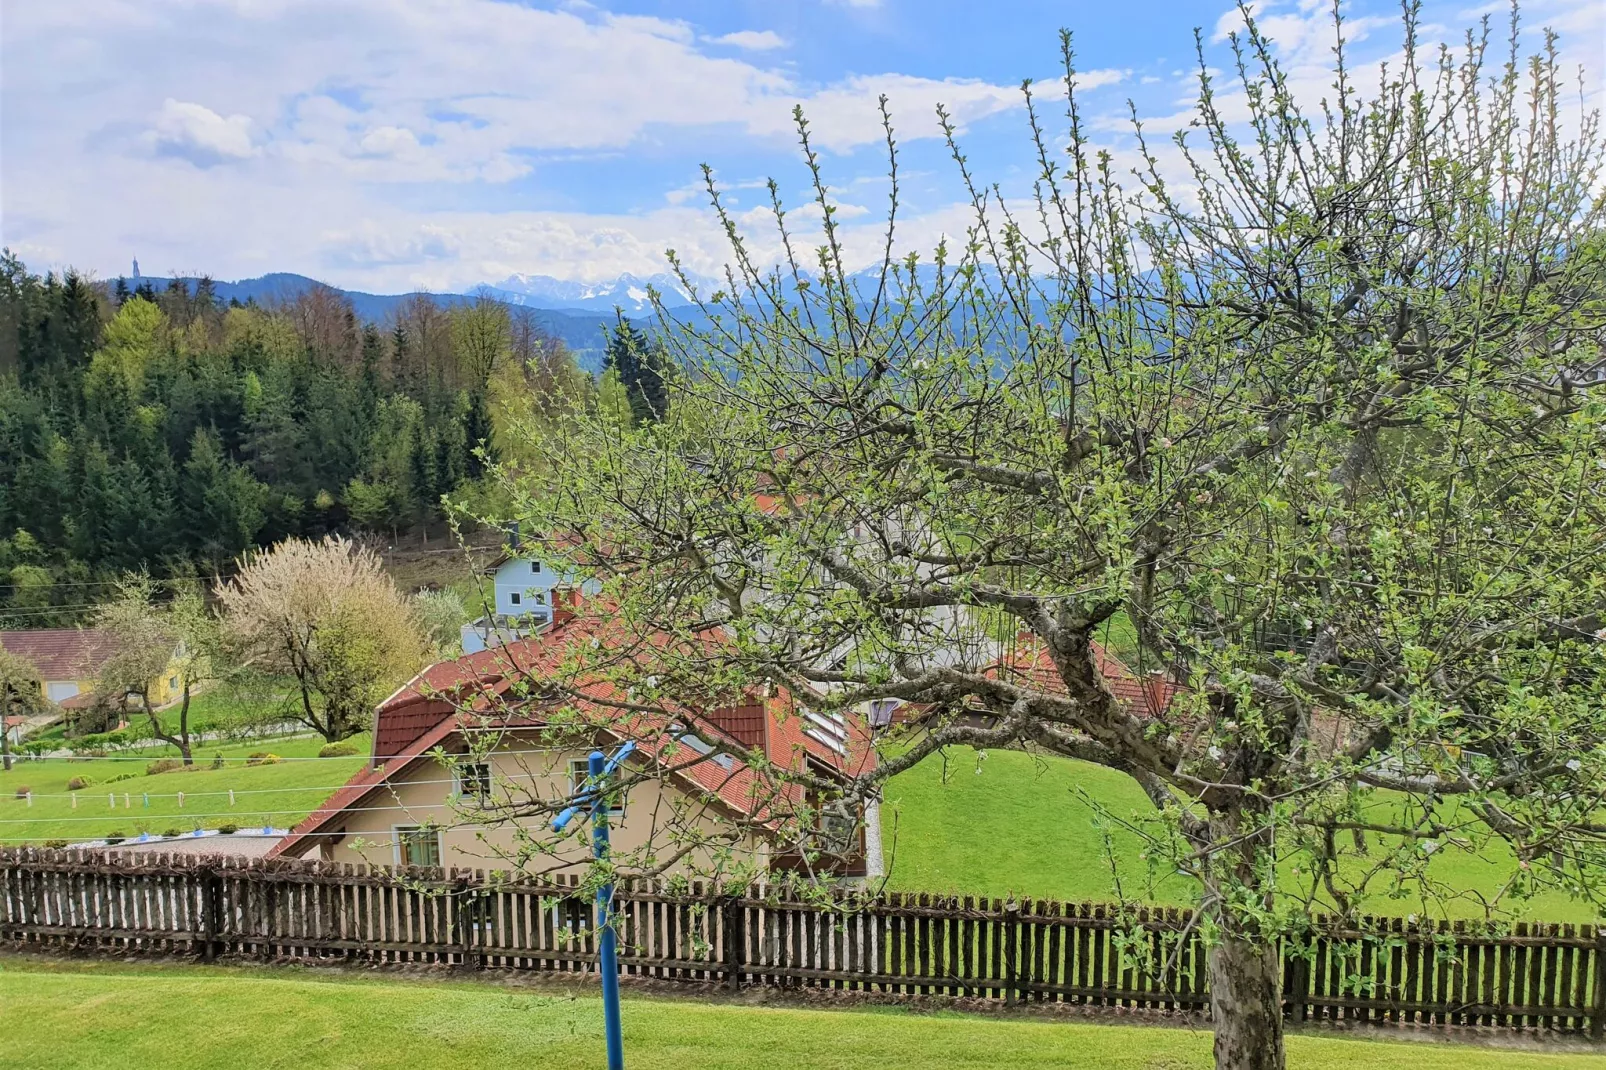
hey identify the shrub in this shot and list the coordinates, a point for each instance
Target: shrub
(263, 758)
(23, 791)
(164, 765)
(337, 750)
(121, 776)
(115, 837)
(217, 761)
(170, 833)
(55, 845)
(79, 783)
(228, 830)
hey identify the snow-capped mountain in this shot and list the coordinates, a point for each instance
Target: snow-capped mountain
(627, 292)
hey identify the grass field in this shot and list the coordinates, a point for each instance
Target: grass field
(1015, 824)
(1009, 824)
(100, 1016)
(277, 795)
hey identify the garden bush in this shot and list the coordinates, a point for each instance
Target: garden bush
(343, 749)
(55, 845)
(23, 791)
(262, 758)
(79, 783)
(164, 765)
(228, 830)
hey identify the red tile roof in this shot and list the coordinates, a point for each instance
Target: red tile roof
(1029, 660)
(491, 688)
(62, 653)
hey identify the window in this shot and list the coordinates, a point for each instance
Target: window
(474, 781)
(540, 598)
(700, 745)
(417, 846)
(535, 568)
(172, 683)
(579, 772)
(514, 598)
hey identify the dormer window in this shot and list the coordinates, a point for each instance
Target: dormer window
(698, 745)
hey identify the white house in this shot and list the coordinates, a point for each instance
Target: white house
(521, 588)
(525, 594)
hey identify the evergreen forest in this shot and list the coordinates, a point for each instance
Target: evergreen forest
(159, 429)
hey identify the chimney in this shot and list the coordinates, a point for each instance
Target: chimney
(513, 535)
(565, 603)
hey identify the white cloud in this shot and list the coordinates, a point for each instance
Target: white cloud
(389, 141)
(370, 246)
(302, 135)
(1094, 79)
(200, 135)
(751, 40)
(845, 117)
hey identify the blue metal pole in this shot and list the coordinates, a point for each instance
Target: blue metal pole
(607, 943)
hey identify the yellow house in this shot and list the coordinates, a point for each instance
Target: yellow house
(69, 661)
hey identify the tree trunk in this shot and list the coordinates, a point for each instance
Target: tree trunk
(184, 725)
(1246, 1003)
(5, 738)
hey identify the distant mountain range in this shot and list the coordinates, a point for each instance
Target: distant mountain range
(581, 327)
(628, 293)
(578, 313)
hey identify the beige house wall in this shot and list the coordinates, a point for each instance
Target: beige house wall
(425, 793)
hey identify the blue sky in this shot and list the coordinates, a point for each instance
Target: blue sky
(393, 144)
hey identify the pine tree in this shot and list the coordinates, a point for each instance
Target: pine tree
(642, 370)
(477, 430)
(221, 504)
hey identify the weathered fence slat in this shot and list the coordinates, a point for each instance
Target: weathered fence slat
(1535, 977)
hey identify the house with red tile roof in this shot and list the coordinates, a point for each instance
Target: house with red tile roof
(70, 661)
(1026, 661)
(474, 756)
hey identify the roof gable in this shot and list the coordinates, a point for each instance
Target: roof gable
(489, 688)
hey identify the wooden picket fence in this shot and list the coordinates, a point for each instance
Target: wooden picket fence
(1532, 977)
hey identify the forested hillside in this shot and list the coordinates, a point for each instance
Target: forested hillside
(168, 431)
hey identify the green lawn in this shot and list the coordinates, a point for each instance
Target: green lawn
(1012, 824)
(277, 795)
(1016, 824)
(134, 1016)
(213, 711)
